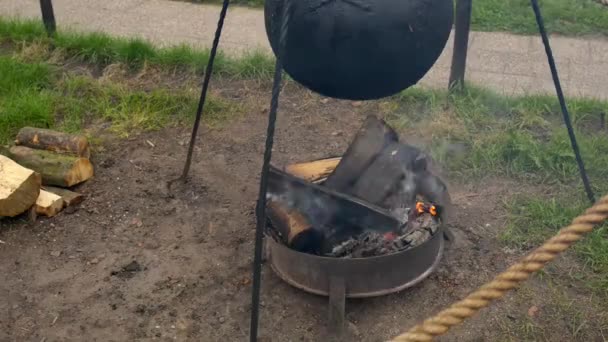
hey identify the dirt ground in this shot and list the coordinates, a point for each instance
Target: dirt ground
(139, 262)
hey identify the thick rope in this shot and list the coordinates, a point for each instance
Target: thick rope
(508, 280)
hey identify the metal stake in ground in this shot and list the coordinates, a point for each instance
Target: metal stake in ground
(261, 204)
(461, 43)
(207, 78)
(562, 100)
(48, 16)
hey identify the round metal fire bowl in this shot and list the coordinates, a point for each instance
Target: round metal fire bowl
(361, 277)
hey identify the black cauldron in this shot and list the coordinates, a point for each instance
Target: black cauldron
(360, 49)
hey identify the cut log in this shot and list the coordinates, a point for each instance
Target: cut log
(19, 187)
(48, 204)
(315, 170)
(393, 170)
(46, 139)
(371, 139)
(69, 197)
(295, 229)
(338, 216)
(56, 169)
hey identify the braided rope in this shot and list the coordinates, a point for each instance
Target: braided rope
(509, 279)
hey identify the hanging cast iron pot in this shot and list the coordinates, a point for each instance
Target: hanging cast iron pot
(360, 49)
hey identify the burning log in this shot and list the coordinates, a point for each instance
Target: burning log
(315, 170)
(371, 139)
(324, 207)
(366, 206)
(295, 230)
(392, 170)
(369, 244)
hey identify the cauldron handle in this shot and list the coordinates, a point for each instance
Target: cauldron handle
(337, 304)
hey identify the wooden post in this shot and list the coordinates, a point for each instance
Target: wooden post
(462, 27)
(48, 16)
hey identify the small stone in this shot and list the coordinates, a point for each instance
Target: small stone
(324, 101)
(157, 327)
(95, 261)
(488, 225)
(55, 253)
(352, 328)
(533, 311)
(152, 244)
(137, 222)
(222, 319)
(357, 103)
(133, 266)
(220, 159)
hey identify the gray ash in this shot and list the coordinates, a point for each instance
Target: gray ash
(370, 244)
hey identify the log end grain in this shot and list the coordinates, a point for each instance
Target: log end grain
(48, 204)
(19, 187)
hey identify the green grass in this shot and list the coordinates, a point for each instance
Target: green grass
(521, 137)
(23, 96)
(103, 49)
(532, 220)
(568, 17)
(37, 94)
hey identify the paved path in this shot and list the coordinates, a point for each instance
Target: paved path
(507, 63)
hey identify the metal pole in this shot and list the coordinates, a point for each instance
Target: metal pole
(462, 27)
(562, 100)
(203, 97)
(261, 204)
(48, 16)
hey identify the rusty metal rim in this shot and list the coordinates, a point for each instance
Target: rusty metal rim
(411, 283)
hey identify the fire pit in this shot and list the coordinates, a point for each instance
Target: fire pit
(367, 224)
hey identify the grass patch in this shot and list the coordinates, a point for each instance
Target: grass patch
(479, 132)
(568, 17)
(532, 220)
(36, 94)
(23, 96)
(103, 49)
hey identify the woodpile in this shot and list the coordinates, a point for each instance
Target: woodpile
(36, 172)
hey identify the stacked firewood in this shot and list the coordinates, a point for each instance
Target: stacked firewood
(36, 172)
